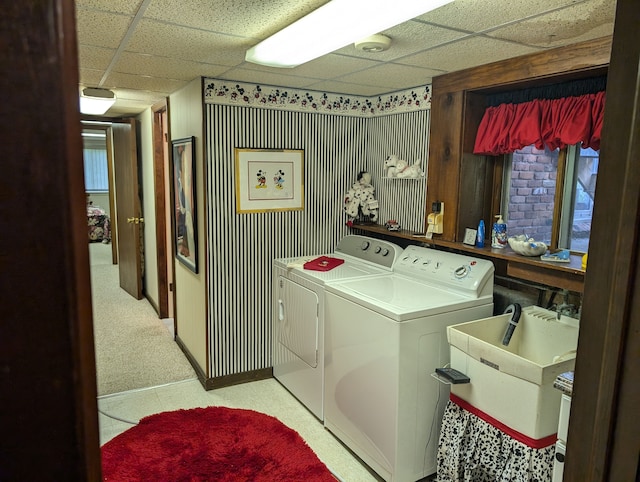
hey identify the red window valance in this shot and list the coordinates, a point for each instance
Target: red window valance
(555, 123)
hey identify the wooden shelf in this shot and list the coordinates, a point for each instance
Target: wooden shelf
(562, 275)
(385, 178)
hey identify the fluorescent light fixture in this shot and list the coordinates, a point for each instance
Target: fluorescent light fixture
(332, 26)
(96, 101)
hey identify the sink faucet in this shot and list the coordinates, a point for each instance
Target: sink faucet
(516, 309)
(565, 308)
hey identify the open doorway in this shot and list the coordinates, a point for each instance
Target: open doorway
(98, 177)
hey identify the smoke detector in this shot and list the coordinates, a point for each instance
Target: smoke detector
(374, 43)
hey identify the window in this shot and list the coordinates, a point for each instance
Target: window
(548, 195)
(96, 172)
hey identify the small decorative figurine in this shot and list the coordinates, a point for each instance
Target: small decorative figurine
(401, 169)
(360, 202)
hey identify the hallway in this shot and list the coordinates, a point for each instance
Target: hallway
(134, 349)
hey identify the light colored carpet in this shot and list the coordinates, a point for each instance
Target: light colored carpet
(134, 349)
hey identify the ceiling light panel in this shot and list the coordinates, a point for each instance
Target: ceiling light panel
(96, 101)
(332, 26)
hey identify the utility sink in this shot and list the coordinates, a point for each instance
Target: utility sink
(514, 383)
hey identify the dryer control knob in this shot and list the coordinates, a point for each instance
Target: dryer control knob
(378, 249)
(385, 252)
(365, 245)
(461, 272)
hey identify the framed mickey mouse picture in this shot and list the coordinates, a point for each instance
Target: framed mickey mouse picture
(269, 180)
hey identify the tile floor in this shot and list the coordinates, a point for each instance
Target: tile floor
(266, 396)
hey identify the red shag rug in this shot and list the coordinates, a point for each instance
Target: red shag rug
(211, 444)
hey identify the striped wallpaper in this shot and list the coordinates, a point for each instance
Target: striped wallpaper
(242, 246)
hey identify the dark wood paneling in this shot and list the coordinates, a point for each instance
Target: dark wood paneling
(599, 446)
(540, 274)
(476, 172)
(474, 108)
(473, 195)
(48, 418)
(570, 61)
(468, 184)
(443, 172)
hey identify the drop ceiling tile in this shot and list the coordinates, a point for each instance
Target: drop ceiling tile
(253, 18)
(94, 57)
(470, 52)
(325, 67)
(101, 29)
(586, 21)
(138, 96)
(406, 39)
(475, 16)
(90, 77)
(131, 95)
(155, 66)
(117, 80)
(392, 76)
(184, 43)
(281, 78)
(128, 7)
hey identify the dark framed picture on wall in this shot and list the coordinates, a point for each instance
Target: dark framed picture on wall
(184, 202)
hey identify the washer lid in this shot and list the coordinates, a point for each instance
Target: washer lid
(402, 298)
(347, 270)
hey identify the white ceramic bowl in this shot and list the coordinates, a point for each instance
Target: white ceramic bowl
(527, 246)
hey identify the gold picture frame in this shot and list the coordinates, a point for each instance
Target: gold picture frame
(269, 180)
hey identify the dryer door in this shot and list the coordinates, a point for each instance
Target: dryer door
(297, 320)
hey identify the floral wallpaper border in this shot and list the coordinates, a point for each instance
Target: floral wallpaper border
(254, 95)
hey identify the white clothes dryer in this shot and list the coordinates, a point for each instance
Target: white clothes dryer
(298, 312)
(384, 337)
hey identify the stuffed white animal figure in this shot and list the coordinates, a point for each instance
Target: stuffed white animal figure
(360, 200)
(412, 171)
(400, 168)
(391, 165)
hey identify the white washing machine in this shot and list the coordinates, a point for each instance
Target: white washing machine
(384, 337)
(298, 312)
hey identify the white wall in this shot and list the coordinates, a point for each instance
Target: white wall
(186, 120)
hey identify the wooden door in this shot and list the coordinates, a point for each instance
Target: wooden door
(49, 418)
(128, 212)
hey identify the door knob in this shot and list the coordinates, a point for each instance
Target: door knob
(135, 220)
(130, 220)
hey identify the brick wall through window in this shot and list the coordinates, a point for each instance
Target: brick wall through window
(532, 192)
